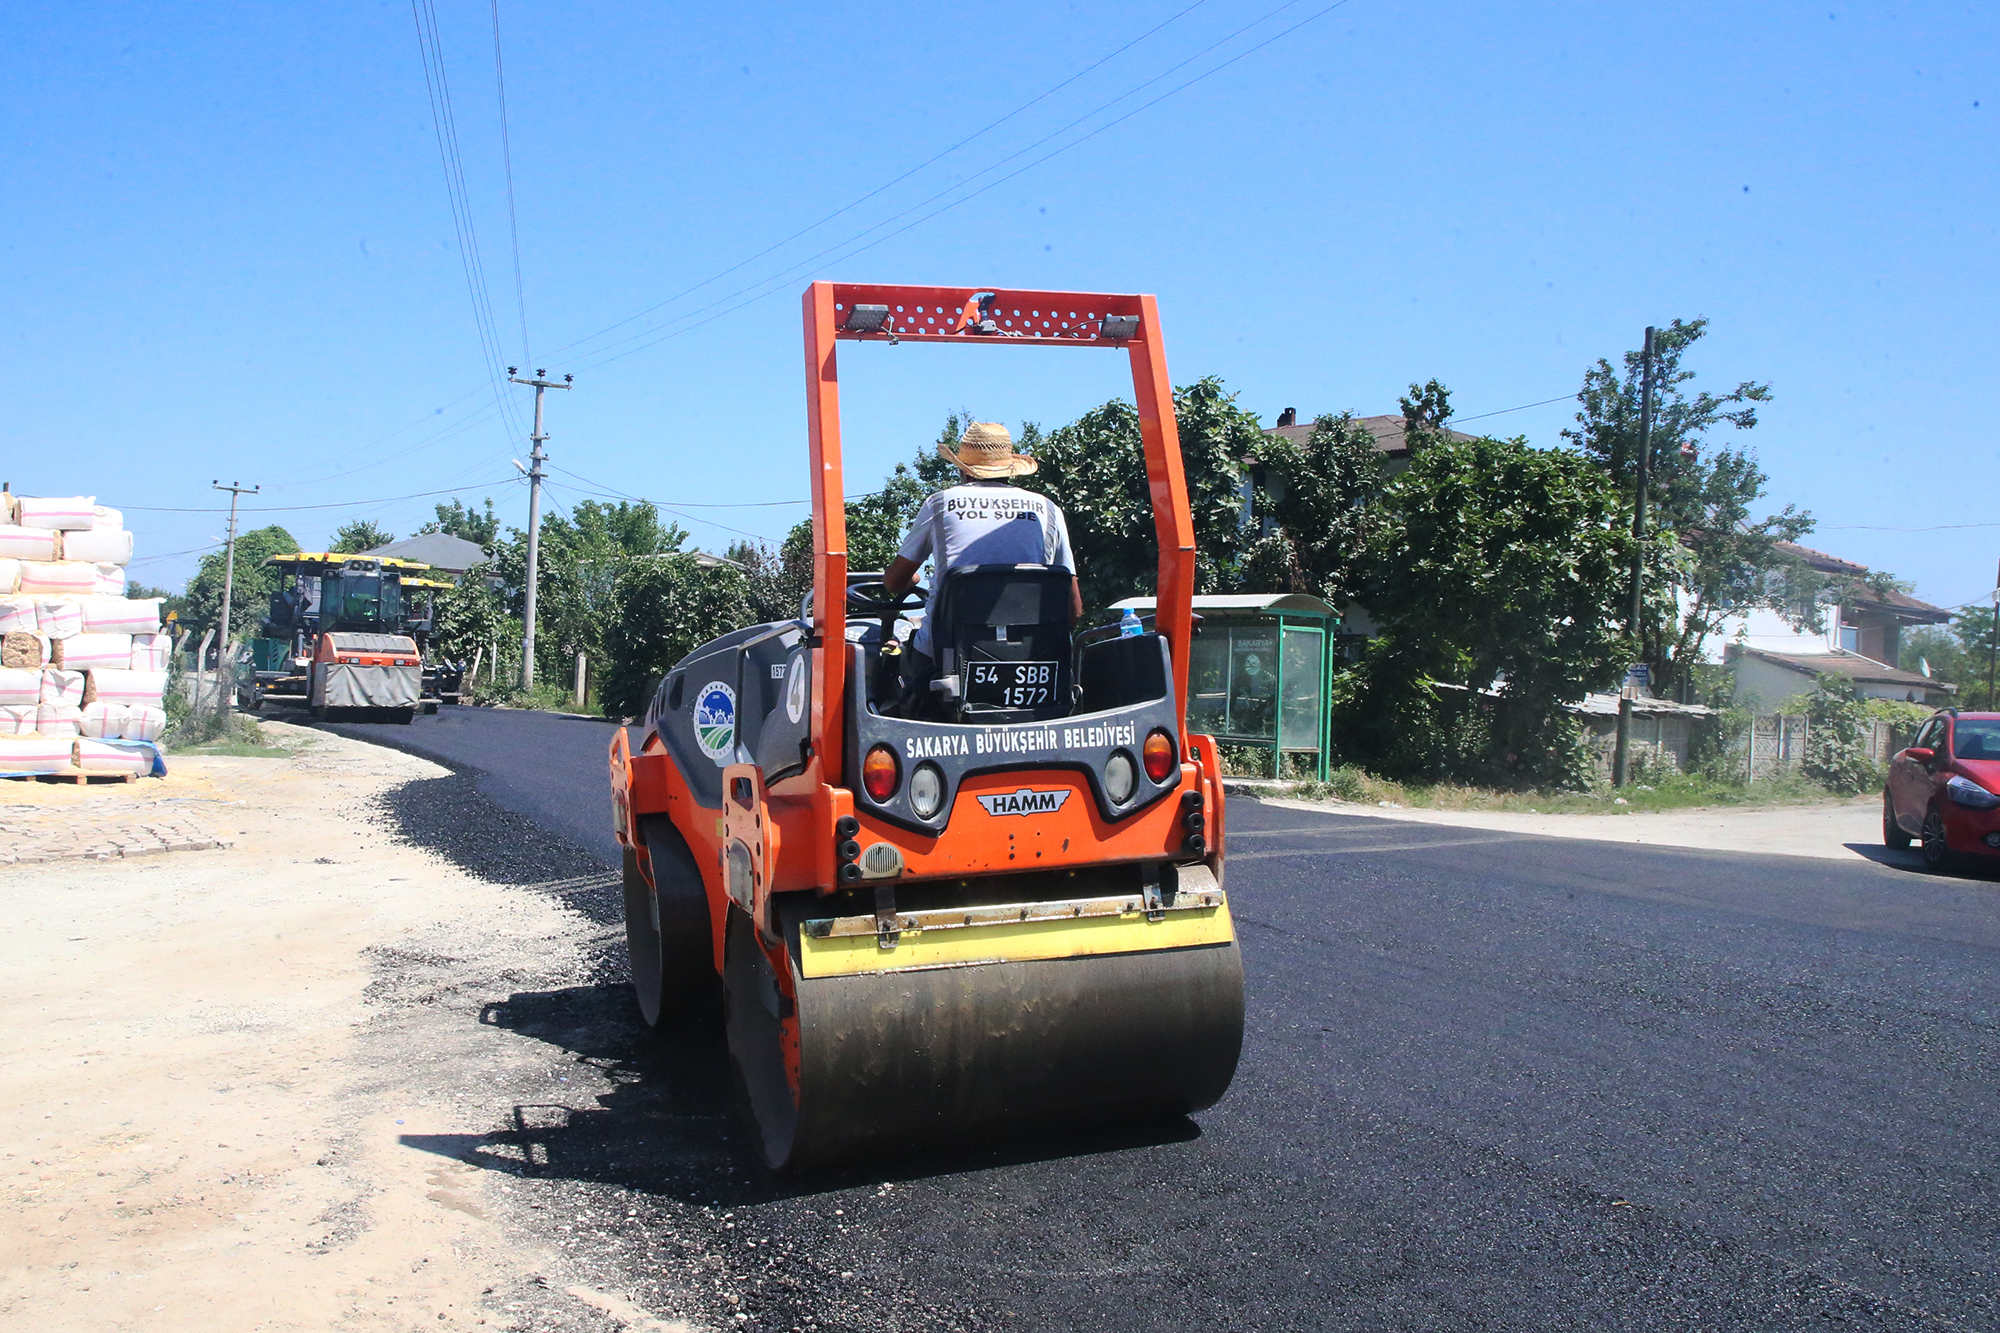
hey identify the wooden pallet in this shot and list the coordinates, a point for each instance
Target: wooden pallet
(78, 776)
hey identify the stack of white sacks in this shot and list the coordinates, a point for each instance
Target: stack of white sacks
(83, 667)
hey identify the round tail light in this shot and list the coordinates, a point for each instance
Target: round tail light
(926, 790)
(1158, 753)
(1120, 777)
(880, 773)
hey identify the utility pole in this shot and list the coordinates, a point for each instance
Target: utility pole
(222, 691)
(1621, 756)
(535, 459)
(1993, 644)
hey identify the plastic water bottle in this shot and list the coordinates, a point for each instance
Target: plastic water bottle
(1129, 626)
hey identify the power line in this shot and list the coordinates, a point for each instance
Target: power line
(810, 260)
(507, 157)
(343, 504)
(898, 180)
(1505, 410)
(444, 123)
(1864, 527)
(967, 198)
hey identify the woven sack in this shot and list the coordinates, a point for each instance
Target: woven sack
(17, 615)
(58, 617)
(144, 723)
(10, 576)
(99, 720)
(62, 687)
(36, 754)
(128, 687)
(49, 511)
(59, 578)
(110, 580)
(86, 652)
(20, 689)
(98, 757)
(104, 516)
(101, 545)
(54, 720)
(119, 615)
(17, 543)
(18, 719)
(151, 652)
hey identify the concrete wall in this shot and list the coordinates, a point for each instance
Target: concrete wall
(1660, 737)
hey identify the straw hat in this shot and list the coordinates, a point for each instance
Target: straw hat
(986, 451)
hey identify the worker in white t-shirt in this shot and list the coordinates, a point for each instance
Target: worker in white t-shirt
(982, 521)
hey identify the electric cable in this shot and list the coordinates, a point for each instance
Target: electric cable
(966, 198)
(444, 123)
(507, 159)
(888, 184)
(286, 509)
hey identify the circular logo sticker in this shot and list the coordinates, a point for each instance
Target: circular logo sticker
(795, 690)
(715, 722)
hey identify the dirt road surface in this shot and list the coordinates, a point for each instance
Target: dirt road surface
(219, 1061)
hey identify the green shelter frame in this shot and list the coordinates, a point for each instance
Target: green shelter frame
(1261, 673)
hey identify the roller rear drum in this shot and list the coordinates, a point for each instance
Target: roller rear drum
(939, 1055)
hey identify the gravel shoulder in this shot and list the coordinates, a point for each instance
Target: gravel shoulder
(225, 1064)
(1835, 830)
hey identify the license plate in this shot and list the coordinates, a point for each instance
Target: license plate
(1012, 684)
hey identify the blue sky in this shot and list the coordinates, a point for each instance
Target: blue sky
(229, 251)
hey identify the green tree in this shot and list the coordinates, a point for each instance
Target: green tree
(459, 519)
(1974, 629)
(473, 616)
(1095, 468)
(581, 557)
(1317, 507)
(773, 594)
(1935, 651)
(1719, 561)
(1425, 410)
(251, 588)
(664, 610)
(1496, 569)
(360, 535)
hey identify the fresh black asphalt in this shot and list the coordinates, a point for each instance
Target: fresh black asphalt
(1489, 1082)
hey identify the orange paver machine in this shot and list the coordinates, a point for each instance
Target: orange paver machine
(993, 900)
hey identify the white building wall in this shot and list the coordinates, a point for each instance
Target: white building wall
(1764, 630)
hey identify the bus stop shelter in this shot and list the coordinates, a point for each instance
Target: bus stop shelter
(1260, 670)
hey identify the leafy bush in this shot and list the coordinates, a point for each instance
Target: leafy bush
(662, 610)
(1837, 738)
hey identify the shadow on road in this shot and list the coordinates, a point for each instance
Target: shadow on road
(1909, 859)
(673, 1125)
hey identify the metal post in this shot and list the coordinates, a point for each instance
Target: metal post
(1278, 710)
(222, 690)
(579, 680)
(1993, 645)
(535, 460)
(1621, 755)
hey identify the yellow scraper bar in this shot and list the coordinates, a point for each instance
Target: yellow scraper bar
(852, 946)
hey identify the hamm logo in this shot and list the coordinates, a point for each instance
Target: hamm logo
(1025, 802)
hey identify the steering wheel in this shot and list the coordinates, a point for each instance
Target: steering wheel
(875, 598)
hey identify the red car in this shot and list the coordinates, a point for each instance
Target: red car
(1945, 789)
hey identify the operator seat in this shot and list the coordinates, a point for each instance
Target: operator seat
(1001, 638)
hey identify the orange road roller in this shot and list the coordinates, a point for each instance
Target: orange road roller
(981, 901)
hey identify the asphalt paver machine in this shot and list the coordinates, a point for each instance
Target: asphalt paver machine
(349, 636)
(999, 910)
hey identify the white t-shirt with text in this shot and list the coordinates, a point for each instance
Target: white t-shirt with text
(984, 523)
